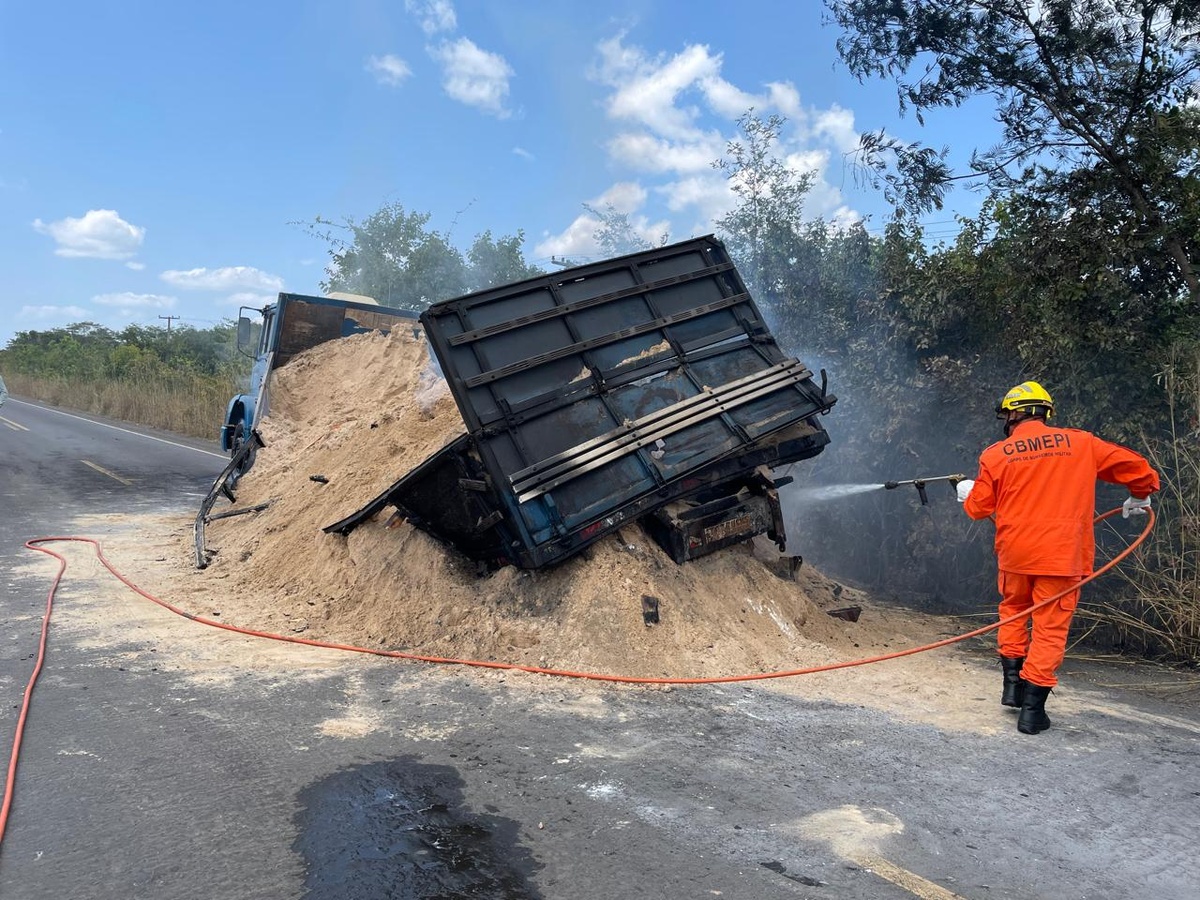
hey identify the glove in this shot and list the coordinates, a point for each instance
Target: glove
(963, 488)
(1134, 507)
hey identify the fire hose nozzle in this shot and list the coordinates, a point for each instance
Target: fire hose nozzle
(919, 484)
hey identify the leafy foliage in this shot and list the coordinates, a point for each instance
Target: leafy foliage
(88, 350)
(767, 227)
(1090, 87)
(394, 257)
(494, 261)
(179, 380)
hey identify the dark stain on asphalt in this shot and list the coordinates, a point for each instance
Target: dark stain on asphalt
(776, 866)
(400, 830)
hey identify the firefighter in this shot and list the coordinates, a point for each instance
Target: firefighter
(1039, 487)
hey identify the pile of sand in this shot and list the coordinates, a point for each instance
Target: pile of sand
(363, 411)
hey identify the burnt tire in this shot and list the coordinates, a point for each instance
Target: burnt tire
(240, 436)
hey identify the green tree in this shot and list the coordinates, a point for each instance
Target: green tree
(394, 257)
(765, 228)
(495, 261)
(90, 351)
(204, 350)
(1095, 88)
(1029, 289)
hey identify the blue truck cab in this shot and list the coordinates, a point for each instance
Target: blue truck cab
(292, 324)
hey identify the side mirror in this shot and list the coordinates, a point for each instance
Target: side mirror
(243, 333)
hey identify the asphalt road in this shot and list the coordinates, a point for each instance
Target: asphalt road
(292, 772)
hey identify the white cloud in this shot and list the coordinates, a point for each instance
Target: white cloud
(578, 240)
(837, 125)
(474, 76)
(709, 196)
(228, 278)
(433, 15)
(672, 116)
(129, 300)
(390, 70)
(624, 197)
(135, 266)
(727, 100)
(786, 99)
(844, 217)
(814, 159)
(676, 115)
(523, 153)
(100, 234)
(60, 313)
(647, 90)
(647, 153)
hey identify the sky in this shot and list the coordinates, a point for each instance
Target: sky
(162, 163)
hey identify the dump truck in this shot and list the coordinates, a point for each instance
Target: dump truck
(292, 324)
(643, 389)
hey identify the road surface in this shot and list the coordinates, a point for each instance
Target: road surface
(163, 763)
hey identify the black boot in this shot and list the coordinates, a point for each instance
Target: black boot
(1033, 716)
(1014, 687)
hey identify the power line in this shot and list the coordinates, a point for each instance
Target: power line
(169, 319)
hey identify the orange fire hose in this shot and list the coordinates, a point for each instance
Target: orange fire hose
(35, 544)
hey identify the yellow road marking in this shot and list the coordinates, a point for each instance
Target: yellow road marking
(854, 834)
(910, 881)
(104, 471)
(15, 426)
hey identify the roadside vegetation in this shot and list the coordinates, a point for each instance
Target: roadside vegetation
(1077, 272)
(178, 380)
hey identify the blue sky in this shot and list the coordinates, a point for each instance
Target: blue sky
(158, 159)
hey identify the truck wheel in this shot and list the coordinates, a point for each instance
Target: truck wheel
(239, 437)
(241, 434)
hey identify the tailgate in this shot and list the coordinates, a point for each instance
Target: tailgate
(622, 384)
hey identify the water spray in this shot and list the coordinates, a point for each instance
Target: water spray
(919, 484)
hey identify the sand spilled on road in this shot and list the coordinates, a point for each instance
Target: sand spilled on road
(361, 412)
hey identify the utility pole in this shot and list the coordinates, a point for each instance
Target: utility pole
(169, 320)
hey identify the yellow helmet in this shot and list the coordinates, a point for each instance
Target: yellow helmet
(1029, 396)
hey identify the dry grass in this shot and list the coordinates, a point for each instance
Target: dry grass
(1158, 611)
(181, 403)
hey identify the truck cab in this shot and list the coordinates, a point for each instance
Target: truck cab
(253, 328)
(279, 331)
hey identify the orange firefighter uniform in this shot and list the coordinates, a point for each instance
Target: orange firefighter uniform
(1039, 484)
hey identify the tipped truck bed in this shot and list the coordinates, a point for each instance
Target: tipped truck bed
(596, 395)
